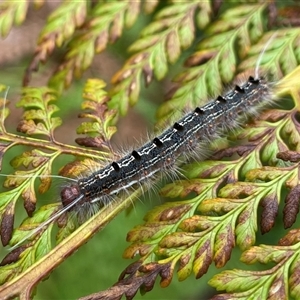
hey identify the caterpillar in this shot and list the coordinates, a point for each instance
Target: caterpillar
(188, 137)
(192, 131)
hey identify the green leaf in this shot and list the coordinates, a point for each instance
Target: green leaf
(40, 120)
(12, 12)
(270, 283)
(99, 128)
(274, 57)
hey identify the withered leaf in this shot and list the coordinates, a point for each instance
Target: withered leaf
(12, 256)
(291, 207)
(289, 155)
(141, 277)
(7, 223)
(269, 212)
(291, 238)
(203, 259)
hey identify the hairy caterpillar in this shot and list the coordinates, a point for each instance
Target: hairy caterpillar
(187, 136)
(190, 135)
(192, 131)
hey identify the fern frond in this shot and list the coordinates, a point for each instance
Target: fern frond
(38, 165)
(280, 58)
(17, 264)
(60, 26)
(272, 283)
(105, 25)
(38, 120)
(194, 233)
(216, 61)
(98, 129)
(161, 43)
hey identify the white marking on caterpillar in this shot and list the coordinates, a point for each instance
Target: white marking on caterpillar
(192, 132)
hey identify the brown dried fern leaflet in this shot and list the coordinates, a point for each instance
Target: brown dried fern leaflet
(60, 26)
(130, 281)
(269, 213)
(291, 207)
(289, 155)
(7, 224)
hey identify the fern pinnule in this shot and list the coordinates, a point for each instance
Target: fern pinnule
(284, 257)
(275, 61)
(60, 26)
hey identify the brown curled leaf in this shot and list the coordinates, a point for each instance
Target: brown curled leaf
(33, 158)
(7, 223)
(291, 207)
(133, 278)
(168, 212)
(185, 265)
(228, 152)
(147, 231)
(95, 142)
(289, 155)
(138, 248)
(29, 127)
(12, 256)
(277, 289)
(196, 223)
(269, 212)
(224, 245)
(181, 240)
(78, 168)
(148, 74)
(203, 259)
(174, 213)
(273, 115)
(199, 58)
(291, 238)
(131, 269)
(182, 188)
(29, 201)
